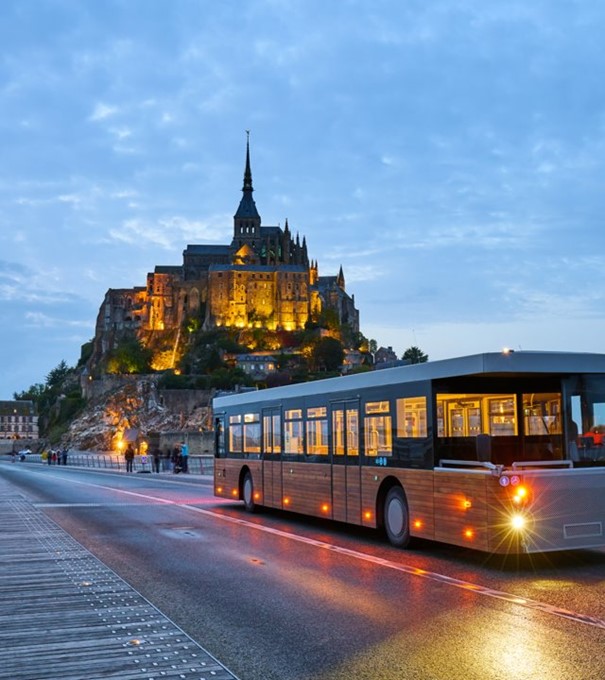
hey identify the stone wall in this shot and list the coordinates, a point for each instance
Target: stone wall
(200, 443)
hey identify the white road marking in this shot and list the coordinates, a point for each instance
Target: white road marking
(379, 561)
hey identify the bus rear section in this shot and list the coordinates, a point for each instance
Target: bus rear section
(526, 508)
(563, 509)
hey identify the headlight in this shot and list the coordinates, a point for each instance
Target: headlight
(518, 522)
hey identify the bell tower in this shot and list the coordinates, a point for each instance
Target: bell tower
(246, 221)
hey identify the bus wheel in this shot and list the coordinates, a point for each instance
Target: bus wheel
(396, 522)
(248, 493)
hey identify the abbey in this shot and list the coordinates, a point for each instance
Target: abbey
(262, 279)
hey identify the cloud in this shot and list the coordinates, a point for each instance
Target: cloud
(103, 111)
(172, 232)
(41, 320)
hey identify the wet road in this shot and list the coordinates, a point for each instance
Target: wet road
(274, 596)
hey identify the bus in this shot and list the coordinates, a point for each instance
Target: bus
(501, 452)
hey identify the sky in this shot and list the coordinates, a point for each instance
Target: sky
(450, 155)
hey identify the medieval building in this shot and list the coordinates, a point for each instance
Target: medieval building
(262, 279)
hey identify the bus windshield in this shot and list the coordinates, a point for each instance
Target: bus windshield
(500, 428)
(586, 425)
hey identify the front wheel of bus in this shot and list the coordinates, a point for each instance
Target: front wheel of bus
(248, 493)
(396, 522)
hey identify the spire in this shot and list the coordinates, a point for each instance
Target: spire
(247, 172)
(247, 207)
(340, 279)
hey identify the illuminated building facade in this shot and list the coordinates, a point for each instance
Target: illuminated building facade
(18, 420)
(262, 279)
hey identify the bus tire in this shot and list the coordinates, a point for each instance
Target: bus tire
(396, 518)
(248, 493)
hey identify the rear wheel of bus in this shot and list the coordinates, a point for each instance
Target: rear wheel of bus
(396, 517)
(248, 493)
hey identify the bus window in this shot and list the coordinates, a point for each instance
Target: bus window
(338, 432)
(293, 431)
(345, 430)
(542, 413)
(411, 417)
(235, 434)
(586, 428)
(251, 433)
(272, 433)
(502, 416)
(378, 429)
(317, 431)
(468, 415)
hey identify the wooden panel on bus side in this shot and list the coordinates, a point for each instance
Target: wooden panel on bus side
(227, 476)
(346, 493)
(339, 494)
(418, 488)
(461, 509)
(272, 486)
(307, 488)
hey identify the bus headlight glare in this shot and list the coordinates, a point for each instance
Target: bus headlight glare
(518, 522)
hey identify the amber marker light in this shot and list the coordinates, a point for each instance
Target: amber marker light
(467, 505)
(367, 514)
(417, 524)
(521, 495)
(219, 489)
(257, 496)
(286, 501)
(469, 533)
(234, 492)
(325, 507)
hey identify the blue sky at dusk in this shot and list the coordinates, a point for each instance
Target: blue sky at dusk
(449, 155)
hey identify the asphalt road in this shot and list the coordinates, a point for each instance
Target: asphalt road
(276, 596)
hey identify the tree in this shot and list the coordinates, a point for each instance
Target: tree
(129, 357)
(57, 375)
(328, 354)
(415, 355)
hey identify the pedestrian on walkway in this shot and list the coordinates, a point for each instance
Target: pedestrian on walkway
(64, 456)
(129, 456)
(176, 459)
(185, 457)
(157, 455)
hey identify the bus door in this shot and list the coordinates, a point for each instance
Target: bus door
(346, 471)
(272, 475)
(219, 436)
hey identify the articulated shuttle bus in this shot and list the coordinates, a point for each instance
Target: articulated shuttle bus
(501, 452)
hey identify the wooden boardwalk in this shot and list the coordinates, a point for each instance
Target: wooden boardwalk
(65, 615)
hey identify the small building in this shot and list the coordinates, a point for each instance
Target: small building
(257, 366)
(384, 355)
(18, 420)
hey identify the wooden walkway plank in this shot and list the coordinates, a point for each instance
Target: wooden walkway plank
(64, 614)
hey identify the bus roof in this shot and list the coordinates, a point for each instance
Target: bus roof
(493, 363)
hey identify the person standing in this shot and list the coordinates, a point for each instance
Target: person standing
(185, 457)
(64, 456)
(157, 455)
(129, 456)
(176, 459)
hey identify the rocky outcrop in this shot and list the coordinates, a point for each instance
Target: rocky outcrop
(137, 404)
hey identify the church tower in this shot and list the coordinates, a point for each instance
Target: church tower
(246, 221)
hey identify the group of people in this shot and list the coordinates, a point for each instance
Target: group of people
(57, 456)
(172, 460)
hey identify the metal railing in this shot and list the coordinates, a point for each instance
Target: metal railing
(197, 465)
